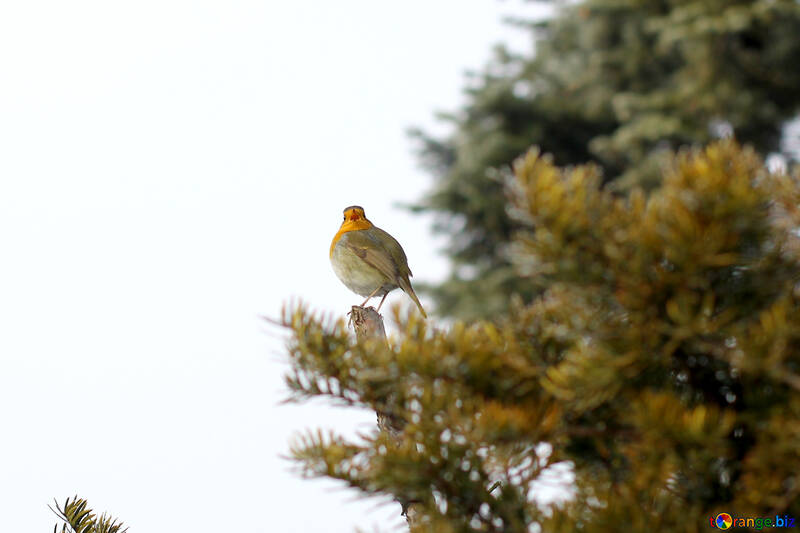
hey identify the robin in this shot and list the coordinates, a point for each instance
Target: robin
(369, 261)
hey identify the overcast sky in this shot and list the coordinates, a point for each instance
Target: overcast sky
(169, 171)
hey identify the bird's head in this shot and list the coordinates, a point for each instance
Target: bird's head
(354, 213)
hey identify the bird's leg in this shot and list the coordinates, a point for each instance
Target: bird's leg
(371, 295)
(380, 304)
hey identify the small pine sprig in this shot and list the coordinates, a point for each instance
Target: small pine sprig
(78, 517)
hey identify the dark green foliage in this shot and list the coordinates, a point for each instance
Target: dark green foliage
(661, 362)
(619, 83)
(79, 518)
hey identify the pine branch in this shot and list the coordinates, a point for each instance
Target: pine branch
(79, 518)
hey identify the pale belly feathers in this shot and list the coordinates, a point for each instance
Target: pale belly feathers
(357, 275)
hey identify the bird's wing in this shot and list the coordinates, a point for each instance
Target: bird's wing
(385, 254)
(393, 248)
(372, 253)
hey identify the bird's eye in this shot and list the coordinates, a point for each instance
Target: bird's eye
(344, 217)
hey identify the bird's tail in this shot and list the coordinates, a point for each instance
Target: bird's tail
(406, 286)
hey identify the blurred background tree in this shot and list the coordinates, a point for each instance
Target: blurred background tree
(619, 83)
(660, 367)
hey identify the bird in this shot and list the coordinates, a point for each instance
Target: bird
(369, 261)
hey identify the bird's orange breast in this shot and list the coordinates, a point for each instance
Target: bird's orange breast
(349, 225)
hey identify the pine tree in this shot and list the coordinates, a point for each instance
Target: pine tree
(660, 364)
(619, 83)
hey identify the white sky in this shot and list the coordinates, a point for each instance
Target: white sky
(169, 171)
